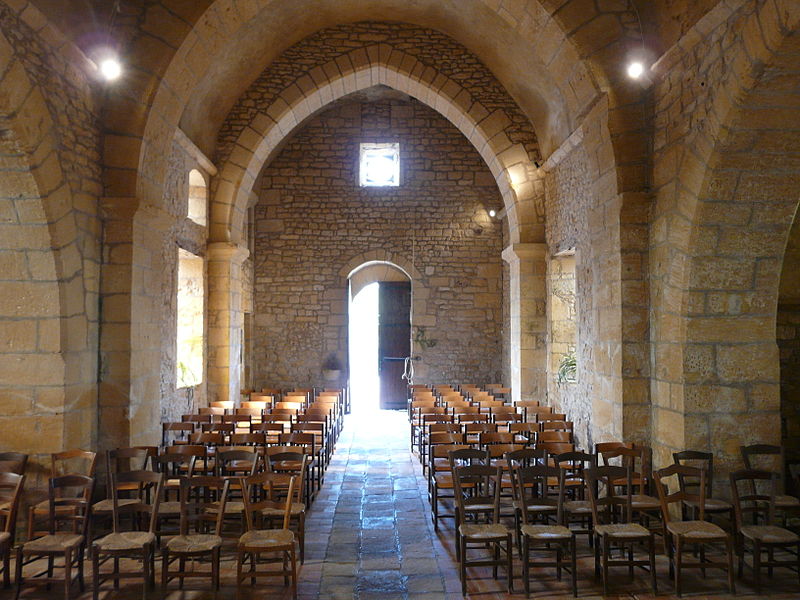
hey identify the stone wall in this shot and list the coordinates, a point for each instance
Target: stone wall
(312, 220)
(49, 243)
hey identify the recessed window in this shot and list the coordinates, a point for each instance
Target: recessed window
(379, 165)
(198, 197)
(190, 338)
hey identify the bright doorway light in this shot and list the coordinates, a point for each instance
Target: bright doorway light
(363, 343)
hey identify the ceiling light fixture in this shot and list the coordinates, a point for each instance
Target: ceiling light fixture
(110, 69)
(635, 70)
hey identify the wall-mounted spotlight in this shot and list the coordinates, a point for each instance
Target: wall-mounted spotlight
(492, 213)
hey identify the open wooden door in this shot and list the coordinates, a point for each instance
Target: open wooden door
(394, 341)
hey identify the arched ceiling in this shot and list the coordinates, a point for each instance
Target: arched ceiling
(471, 22)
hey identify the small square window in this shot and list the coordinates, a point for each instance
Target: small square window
(379, 165)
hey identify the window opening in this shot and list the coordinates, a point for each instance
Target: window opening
(379, 165)
(198, 197)
(190, 335)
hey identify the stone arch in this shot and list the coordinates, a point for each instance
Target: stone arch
(517, 177)
(40, 269)
(716, 252)
(547, 71)
(374, 271)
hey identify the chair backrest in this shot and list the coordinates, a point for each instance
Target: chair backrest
(478, 427)
(524, 457)
(224, 404)
(557, 426)
(233, 463)
(766, 457)
(756, 500)
(264, 482)
(248, 439)
(574, 465)
(680, 472)
(695, 458)
(555, 448)
(554, 436)
(147, 495)
(73, 491)
(473, 418)
(10, 494)
(286, 464)
(463, 457)
(214, 411)
(81, 462)
(180, 431)
(173, 464)
(199, 418)
(444, 428)
(496, 437)
(543, 417)
(604, 499)
(532, 489)
(203, 500)
(483, 483)
(13, 462)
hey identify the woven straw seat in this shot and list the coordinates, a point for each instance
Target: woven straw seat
(483, 531)
(581, 507)
(642, 502)
(107, 505)
(546, 532)
(711, 504)
(769, 534)
(125, 540)
(194, 543)
(693, 530)
(263, 539)
(622, 530)
(55, 542)
(277, 511)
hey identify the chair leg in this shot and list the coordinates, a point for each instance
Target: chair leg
(510, 562)
(574, 566)
(678, 559)
(6, 567)
(164, 569)
(294, 573)
(653, 564)
(146, 569)
(95, 574)
(729, 549)
(606, 550)
(239, 560)
(67, 573)
(526, 566)
(757, 565)
(18, 574)
(463, 564)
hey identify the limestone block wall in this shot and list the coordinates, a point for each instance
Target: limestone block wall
(49, 242)
(312, 220)
(157, 236)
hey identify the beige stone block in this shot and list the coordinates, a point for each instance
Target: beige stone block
(748, 362)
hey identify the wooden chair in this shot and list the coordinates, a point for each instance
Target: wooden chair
(199, 495)
(440, 477)
(771, 458)
(463, 457)
(483, 485)
(10, 495)
(280, 483)
(255, 542)
(227, 405)
(643, 504)
(79, 462)
(577, 508)
(554, 537)
(70, 509)
(14, 463)
(612, 515)
(755, 523)
(130, 544)
(680, 534)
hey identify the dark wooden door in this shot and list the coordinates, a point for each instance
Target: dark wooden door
(394, 340)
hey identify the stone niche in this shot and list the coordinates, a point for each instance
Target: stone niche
(312, 220)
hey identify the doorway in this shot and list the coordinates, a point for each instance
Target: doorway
(379, 336)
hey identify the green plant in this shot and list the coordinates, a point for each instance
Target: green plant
(567, 368)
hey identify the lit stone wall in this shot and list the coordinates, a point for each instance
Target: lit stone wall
(312, 220)
(49, 245)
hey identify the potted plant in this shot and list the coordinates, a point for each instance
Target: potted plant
(331, 368)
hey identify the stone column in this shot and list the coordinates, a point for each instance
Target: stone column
(528, 302)
(225, 321)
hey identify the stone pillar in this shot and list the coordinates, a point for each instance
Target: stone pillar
(225, 321)
(528, 316)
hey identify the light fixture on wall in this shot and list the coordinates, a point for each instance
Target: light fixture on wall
(492, 213)
(105, 55)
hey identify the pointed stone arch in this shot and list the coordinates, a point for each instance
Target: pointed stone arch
(487, 130)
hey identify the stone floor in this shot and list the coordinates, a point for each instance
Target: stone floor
(370, 537)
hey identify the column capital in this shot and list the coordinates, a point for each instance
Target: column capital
(517, 252)
(227, 251)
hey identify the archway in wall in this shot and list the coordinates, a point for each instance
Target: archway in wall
(787, 333)
(379, 317)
